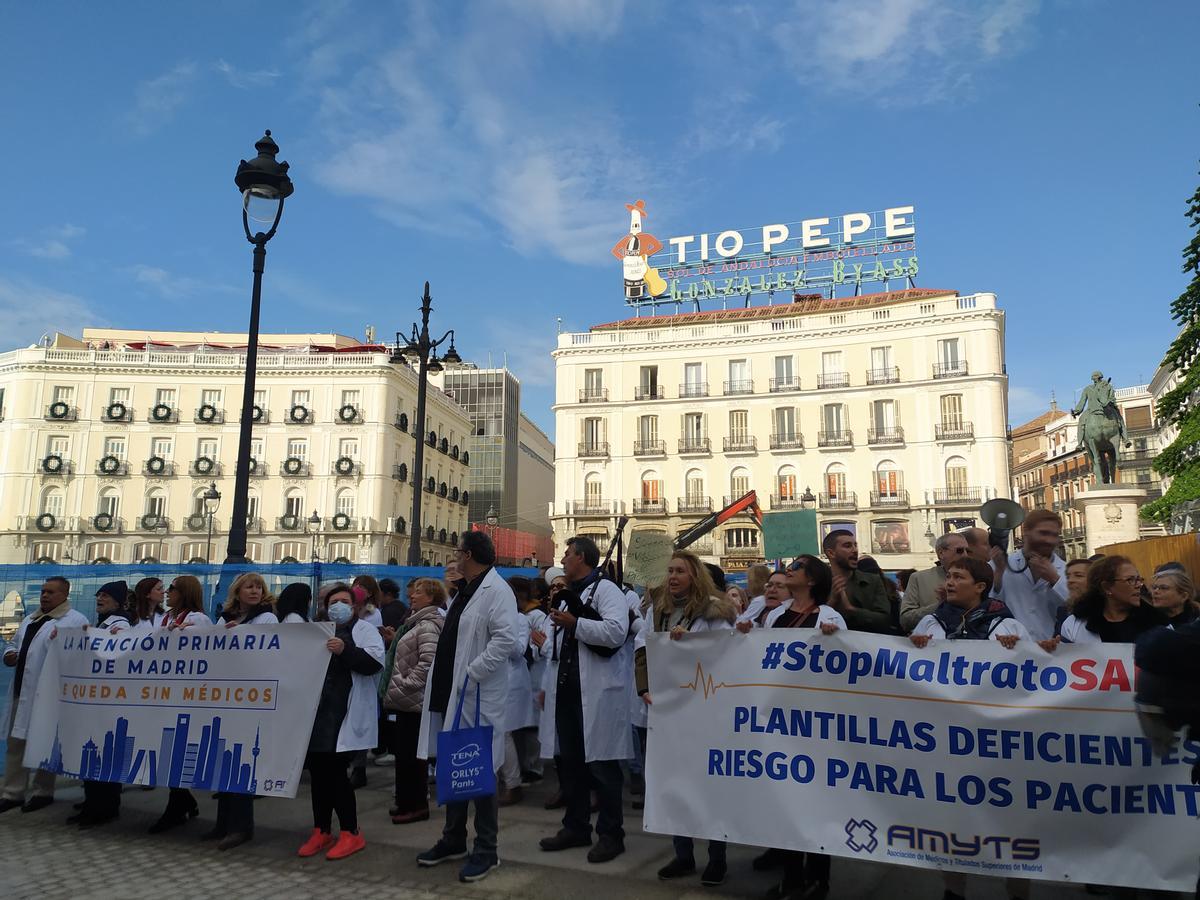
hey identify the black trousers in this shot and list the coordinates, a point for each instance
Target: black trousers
(179, 802)
(801, 868)
(577, 776)
(101, 799)
(235, 813)
(331, 790)
(412, 774)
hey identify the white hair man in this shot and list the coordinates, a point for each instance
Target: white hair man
(926, 589)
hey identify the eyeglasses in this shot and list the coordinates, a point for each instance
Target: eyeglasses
(1133, 580)
(796, 566)
(460, 550)
(556, 587)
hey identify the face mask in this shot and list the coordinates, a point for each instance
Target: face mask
(340, 613)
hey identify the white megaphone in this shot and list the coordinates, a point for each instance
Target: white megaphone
(1001, 516)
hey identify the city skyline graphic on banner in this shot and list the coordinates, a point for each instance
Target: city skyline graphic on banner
(211, 763)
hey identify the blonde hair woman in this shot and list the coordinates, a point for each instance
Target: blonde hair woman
(1173, 594)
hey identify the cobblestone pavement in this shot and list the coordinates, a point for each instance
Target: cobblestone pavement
(46, 859)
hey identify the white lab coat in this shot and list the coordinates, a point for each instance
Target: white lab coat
(21, 708)
(603, 683)
(638, 711)
(264, 618)
(360, 727)
(1075, 631)
(114, 624)
(520, 691)
(538, 621)
(487, 633)
(825, 615)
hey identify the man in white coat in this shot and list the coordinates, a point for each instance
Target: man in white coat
(477, 639)
(27, 654)
(589, 700)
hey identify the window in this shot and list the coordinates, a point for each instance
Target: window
(785, 423)
(44, 550)
(145, 550)
(593, 491)
(739, 483)
(883, 416)
(298, 449)
(648, 379)
(593, 382)
(110, 503)
(889, 479)
(694, 486)
(119, 395)
(693, 428)
(785, 483)
(833, 418)
(58, 444)
(198, 504)
(161, 447)
(301, 398)
(651, 486)
(289, 549)
(103, 551)
(948, 353)
(881, 359)
(351, 398)
(783, 370)
(260, 399)
(742, 538)
(952, 414)
(348, 447)
(835, 481)
(165, 396)
(956, 476)
(210, 397)
(593, 432)
(156, 503)
(115, 446)
(739, 424)
(251, 508)
(256, 449)
(293, 504)
(206, 447)
(64, 393)
(52, 502)
(693, 377)
(739, 371)
(647, 430)
(345, 503)
(831, 362)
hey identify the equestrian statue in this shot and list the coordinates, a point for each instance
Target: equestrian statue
(1100, 425)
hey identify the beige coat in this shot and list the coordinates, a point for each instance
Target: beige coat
(414, 656)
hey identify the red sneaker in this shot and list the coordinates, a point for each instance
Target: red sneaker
(317, 841)
(347, 844)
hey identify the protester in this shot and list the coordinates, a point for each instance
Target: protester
(859, 596)
(925, 589)
(102, 799)
(968, 612)
(472, 655)
(294, 603)
(776, 593)
(687, 603)
(756, 586)
(392, 609)
(869, 566)
(248, 603)
(185, 609)
(520, 697)
(147, 606)
(1111, 610)
(903, 577)
(528, 746)
(364, 592)
(638, 711)
(1174, 595)
(979, 546)
(1032, 581)
(589, 706)
(366, 595)
(738, 597)
(26, 654)
(402, 691)
(346, 720)
(546, 734)
(1076, 574)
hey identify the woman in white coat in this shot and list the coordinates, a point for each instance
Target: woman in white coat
(520, 697)
(346, 721)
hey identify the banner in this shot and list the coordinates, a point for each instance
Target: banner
(213, 709)
(962, 756)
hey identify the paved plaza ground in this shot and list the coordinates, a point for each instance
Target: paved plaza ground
(44, 858)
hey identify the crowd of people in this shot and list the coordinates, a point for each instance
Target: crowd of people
(557, 666)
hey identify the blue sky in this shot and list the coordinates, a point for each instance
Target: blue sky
(490, 148)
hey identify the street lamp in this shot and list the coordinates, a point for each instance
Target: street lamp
(212, 499)
(421, 350)
(264, 185)
(314, 521)
(807, 500)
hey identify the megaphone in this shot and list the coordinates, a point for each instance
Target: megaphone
(1001, 516)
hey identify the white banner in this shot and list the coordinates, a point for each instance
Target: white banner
(961, 756)
(205, 708)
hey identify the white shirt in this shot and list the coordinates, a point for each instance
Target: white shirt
(825, 616)
(293, 619)
(1033, 603)
(753, 608)
(998, 629)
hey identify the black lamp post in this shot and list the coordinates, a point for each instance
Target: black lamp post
(314, 521)
(264, 185)
(808, 501)
(419, 348)
(212, 499)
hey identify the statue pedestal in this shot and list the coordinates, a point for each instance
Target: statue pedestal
(1110, 514)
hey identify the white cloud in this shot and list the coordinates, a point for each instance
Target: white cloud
(1026, 403)
(585, 18)
(156, 100)
(245, 78)
(52, 243)
(171, 286)
(29, 310)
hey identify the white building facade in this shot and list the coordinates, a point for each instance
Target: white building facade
(886, 413)
(105, 453)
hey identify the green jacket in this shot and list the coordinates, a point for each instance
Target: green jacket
(871, 610)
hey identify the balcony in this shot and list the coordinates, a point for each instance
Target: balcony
(54, 465)
(593, 395)
(789, 501)
(299, 414)
(291, 522)
(890, 375)
(162, 414)
(592, 506)
(199, 522)
(783, 385)
(116, 412)
(694, 445)
(112, 467)
(258, 468)
(1061, 506)
(649, 448)
(345, 467)
(650, 507)
(955, 369)
(700, 548)
(1134, 456)
(400, 473)
(648, 392)
(740, 552)
(344, 522)
(60, 411)
(349, 414)
(295, 467)
(204, 467)
(207, 414)
(741, 386)
(106, 523)
(741, 443)
(788, 441)
(835, 438)
(957, 496)
(693, 505)
(45, 523)
(833, 380)
(157, 467)
(889, 500)
(1070, 535)
(881, 436)
(258, 415)
(593, 450)
(954, 431)
(153, 522)
(693, 389)
(844, 501)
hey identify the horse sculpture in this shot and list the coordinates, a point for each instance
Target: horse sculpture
(1100, 438)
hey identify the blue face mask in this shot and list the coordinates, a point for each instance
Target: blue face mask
(340, 613)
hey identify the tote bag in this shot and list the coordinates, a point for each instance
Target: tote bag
(464, 759)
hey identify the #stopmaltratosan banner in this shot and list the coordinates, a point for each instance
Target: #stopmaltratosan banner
(961, 756)
(220, 709)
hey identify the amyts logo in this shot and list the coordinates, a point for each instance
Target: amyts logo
(860, 836)
(464, 755)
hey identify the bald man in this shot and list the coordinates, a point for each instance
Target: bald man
(977, 543)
